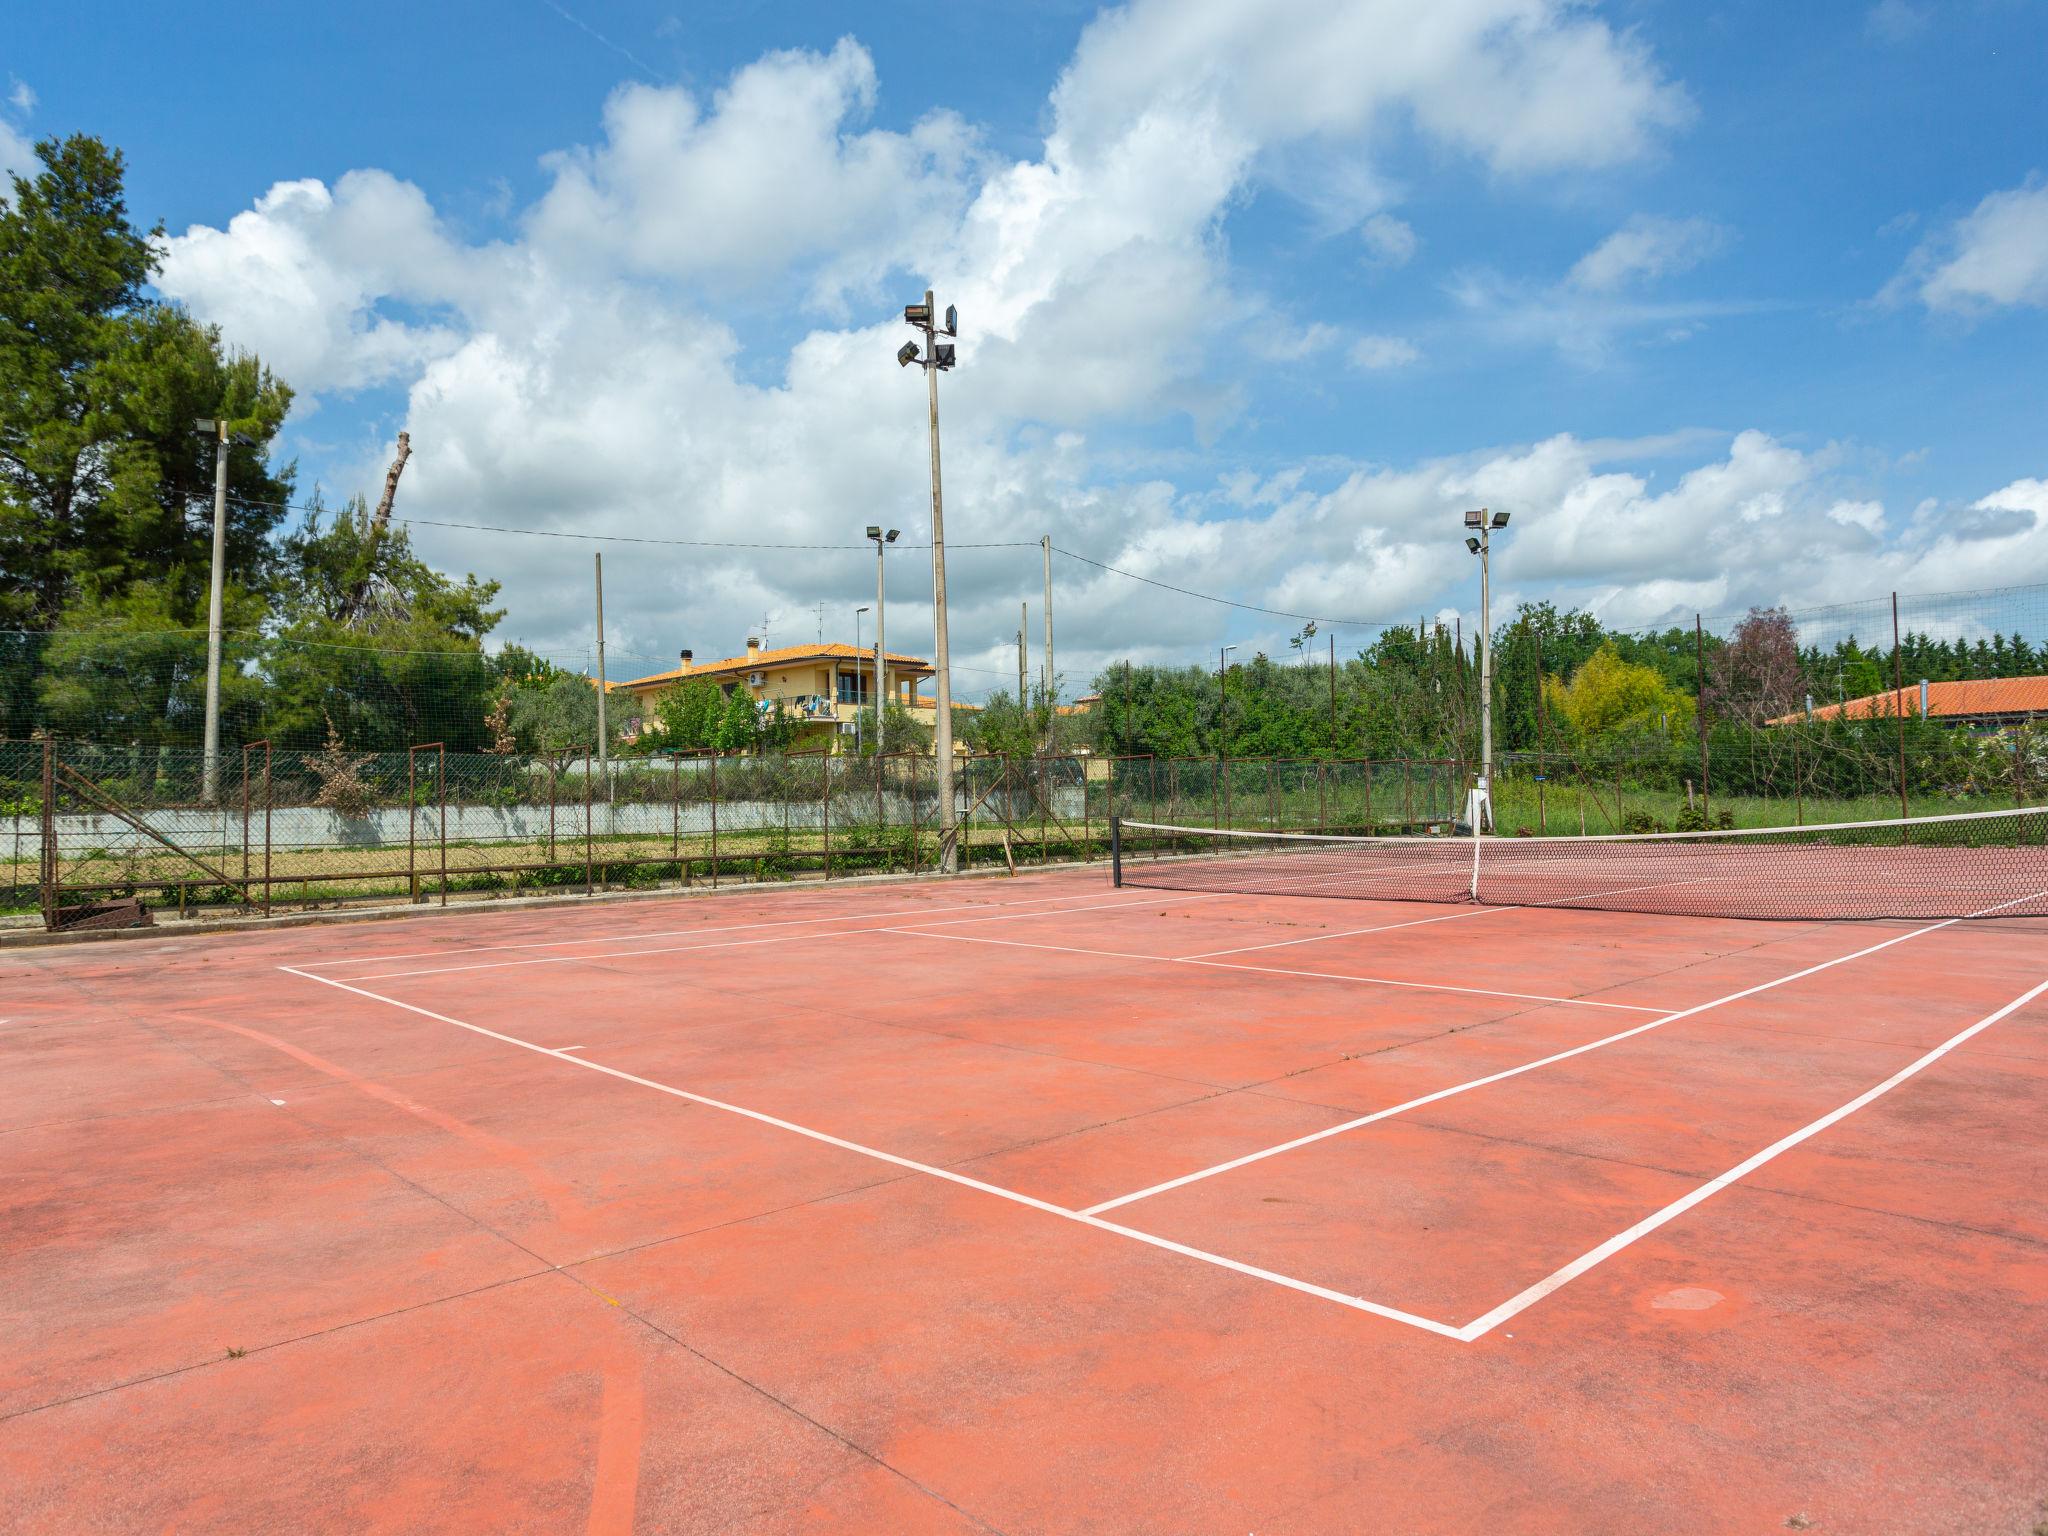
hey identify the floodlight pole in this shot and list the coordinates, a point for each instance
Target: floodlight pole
(209, 790)
(1485, 671)
(942, 743)
(1483, 522)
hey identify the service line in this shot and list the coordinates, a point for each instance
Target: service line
(1585, 1261)
(673, 933)
(1274, 970)
(1220, 1261)
(1495, 1077)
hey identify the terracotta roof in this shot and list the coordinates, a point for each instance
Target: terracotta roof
(1945, 701)
(781, 656)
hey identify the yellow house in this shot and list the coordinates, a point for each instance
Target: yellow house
(825, 686)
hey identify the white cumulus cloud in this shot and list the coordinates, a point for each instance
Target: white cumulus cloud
(1646, 248)
(1995, 256)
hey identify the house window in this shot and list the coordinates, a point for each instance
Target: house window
(852, 689)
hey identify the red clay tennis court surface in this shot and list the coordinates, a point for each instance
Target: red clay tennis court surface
(1028, 1205)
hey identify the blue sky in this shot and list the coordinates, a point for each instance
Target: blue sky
(1730, 303)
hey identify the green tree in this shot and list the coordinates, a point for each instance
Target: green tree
(103, 480)
(1611, 697)
(738, 723)
(689, 713)
(406, 667)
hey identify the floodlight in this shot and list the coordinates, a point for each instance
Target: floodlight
(942, 354)
(1475, 519)
(917, 314)
(1473, 545)
(952, 320)
(1500, 519)
(206, 426)
(874, 531)
(892, 536)
(907, 354)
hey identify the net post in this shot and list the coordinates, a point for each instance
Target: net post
(1475, 852)
(1116, 849)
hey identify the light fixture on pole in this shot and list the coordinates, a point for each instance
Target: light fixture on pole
(936, 357)
(856, 679)
(1481, 544)
(882, 541)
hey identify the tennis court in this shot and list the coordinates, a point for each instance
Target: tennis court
(1049, 1204)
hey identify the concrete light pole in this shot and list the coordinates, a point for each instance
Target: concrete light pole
(937, 357)
(882, 541)
(1482, 546)
(209, 778)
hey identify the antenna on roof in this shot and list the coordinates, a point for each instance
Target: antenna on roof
(821, 623)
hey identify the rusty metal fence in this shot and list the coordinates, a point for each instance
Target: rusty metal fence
(97, 834)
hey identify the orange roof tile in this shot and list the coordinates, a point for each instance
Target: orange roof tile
(781, 656)
(1981, 696)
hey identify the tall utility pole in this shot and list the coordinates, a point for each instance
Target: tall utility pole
(882, 541)
(603, 718)
(1482, 546)
(938, 356)
(209, 778)
(1051, 689)
(856, 683)
(1023, 622)
(1222, 697)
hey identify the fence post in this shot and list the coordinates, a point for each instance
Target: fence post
(1699, 662)
(825, 767)
(245, 826)
(1273, 793)
(441, 779)
(675, 803)
(412, 815)
(589, 888)
(714, 821)
(269, 802)
(1899, 705)
(48, 883)
(552, 777)
(1798, 795)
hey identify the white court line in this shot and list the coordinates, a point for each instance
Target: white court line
(1346, 933)
(1570, 1272)
(673, 933)
(780, 938)
(1273, 970)
(1357, 1303)
(1495, 1077)
(1480, 911)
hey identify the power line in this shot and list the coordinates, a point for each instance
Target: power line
(625, 538)
(1207, 597)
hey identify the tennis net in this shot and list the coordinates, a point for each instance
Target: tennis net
(1975, 864)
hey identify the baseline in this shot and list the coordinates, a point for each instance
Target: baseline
(673, 933)
(782, 938)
